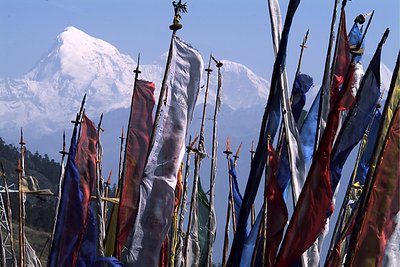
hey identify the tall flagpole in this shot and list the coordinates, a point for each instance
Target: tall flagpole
(253, 209)
(121, 182)
(178, 8)
(21, 174)
(340, 219)
(121, 149)
(199, 154)
(326, 80)
(231, 205)
(262, 231)
(174, 252)
(303, 46)
(63, 153)
(99, 189)
(232, 200)
(106, 192)
(213, 172)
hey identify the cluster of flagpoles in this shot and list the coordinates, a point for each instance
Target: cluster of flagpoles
(144, 225)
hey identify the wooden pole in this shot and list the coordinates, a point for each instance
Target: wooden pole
(326, 79)
(213, 168)
(199, 154)
(253, 209)
(106, 193)
(121, 149)
(121, 182)
(226, 237)
(63, 153)
(178, 7)
(231, 205)
(281, 131)
(227, 152)
(21, 174)
(99, 187)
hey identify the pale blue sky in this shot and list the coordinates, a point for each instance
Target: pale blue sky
(234, 30)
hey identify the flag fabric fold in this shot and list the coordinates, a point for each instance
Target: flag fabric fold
(389, 112)
(314, 204)
(73, 215)
(277, 214)
(269, 126)
(175, 217)
(137, 144)
(309, 128)
(159, 179)
(203, 211)
(357, 120)
(237, 196)
(301, 86)
(250, 243)
(378, 223)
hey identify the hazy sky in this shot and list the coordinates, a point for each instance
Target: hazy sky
(231, 29)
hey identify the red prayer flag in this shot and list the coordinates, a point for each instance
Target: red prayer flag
(315, 201)
(137, 144)
(277, 214)
(342, 60)
(383, 204)
(164, 253)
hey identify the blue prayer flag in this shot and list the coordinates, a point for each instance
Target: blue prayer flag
(269, 126)
(72, 245)
(357, 120)
(366, 157)
(237, 197)
(355, 36)
(302, 85)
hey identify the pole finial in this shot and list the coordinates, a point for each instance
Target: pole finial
(178, 8)
(228, 146)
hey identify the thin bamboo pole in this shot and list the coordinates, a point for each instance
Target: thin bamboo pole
(199, 154)
(213, 168)
(99, 186)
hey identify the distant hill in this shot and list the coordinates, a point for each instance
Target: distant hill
(40, 210)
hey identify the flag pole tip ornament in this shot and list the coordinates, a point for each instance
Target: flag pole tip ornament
(178, 7)
(360, 19)
(218, 63)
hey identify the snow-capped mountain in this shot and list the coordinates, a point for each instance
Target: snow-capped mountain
(50, 94)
